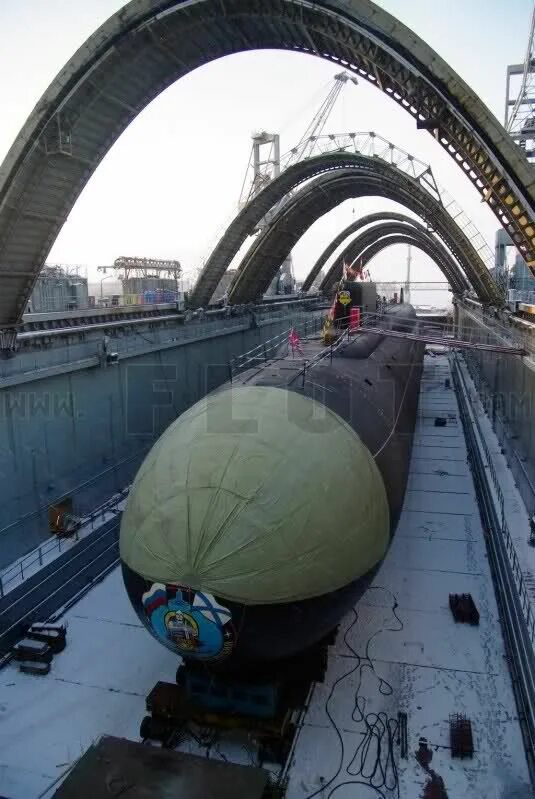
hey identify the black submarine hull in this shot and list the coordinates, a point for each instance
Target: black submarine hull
(372, 383)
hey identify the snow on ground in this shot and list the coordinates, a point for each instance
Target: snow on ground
(400, 650)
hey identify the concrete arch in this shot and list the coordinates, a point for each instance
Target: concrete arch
(149, 44)
(398, 223)
(416, 198)
(246, 221)
(358, 224)
(357, 250)
(389, 241)
(317, 198)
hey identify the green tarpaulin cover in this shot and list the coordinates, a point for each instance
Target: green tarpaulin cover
(256, 495)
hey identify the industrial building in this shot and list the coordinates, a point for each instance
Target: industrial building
(59, 288)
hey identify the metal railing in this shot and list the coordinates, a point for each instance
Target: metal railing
(278, 346)
(513, 602)
(516, 569)
(55, 545)
(490, 325)
(35, 557)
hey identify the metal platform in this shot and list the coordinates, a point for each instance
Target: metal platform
(114, 767)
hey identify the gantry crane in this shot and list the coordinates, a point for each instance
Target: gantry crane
(133, 266)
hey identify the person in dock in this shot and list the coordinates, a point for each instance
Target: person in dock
(295, 342)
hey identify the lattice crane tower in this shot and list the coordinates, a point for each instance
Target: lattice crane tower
(520, 104)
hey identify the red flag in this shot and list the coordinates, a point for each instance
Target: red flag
(350, 272)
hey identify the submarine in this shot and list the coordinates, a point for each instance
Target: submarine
(263, 512)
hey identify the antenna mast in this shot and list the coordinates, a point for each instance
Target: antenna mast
(407, 292)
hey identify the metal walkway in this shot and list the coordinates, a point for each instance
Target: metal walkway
(452, 343)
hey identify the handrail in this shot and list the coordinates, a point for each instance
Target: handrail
(485, 392)
(513, 601)
(262, 352)
(37, 556)
(505, 532)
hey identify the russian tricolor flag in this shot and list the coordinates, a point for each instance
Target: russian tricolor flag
(154, 598)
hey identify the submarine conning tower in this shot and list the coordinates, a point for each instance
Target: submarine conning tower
(263, 512)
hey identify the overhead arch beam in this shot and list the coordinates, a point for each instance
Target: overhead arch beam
(389, 241)
(364, 221)
(416, 198)
(356, 250)
(318, 197)
(246, 221)
(353, 250)
(148, 44)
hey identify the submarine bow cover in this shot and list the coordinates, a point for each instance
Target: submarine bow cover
(243, 496)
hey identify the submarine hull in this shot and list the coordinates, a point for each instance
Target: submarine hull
(247, 635)
(371, 388)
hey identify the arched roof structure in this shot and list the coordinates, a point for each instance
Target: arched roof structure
(406, 190)
(327, 191)
(388, 224)
(389, 241)
(148, 44)
(358, 224)
(356, 252)
(246, 221)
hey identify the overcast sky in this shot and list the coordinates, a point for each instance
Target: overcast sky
(172, 181)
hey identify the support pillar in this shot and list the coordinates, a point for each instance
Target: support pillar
(8, 341)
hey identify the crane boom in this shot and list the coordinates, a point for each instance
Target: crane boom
(265, 168)
(315, 128)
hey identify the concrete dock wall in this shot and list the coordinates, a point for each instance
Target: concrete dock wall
(506, 384)
(83, 432)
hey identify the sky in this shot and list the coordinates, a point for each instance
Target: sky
(171, 184)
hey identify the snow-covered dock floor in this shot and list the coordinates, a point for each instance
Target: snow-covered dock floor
(402, 652)
(401, 649)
